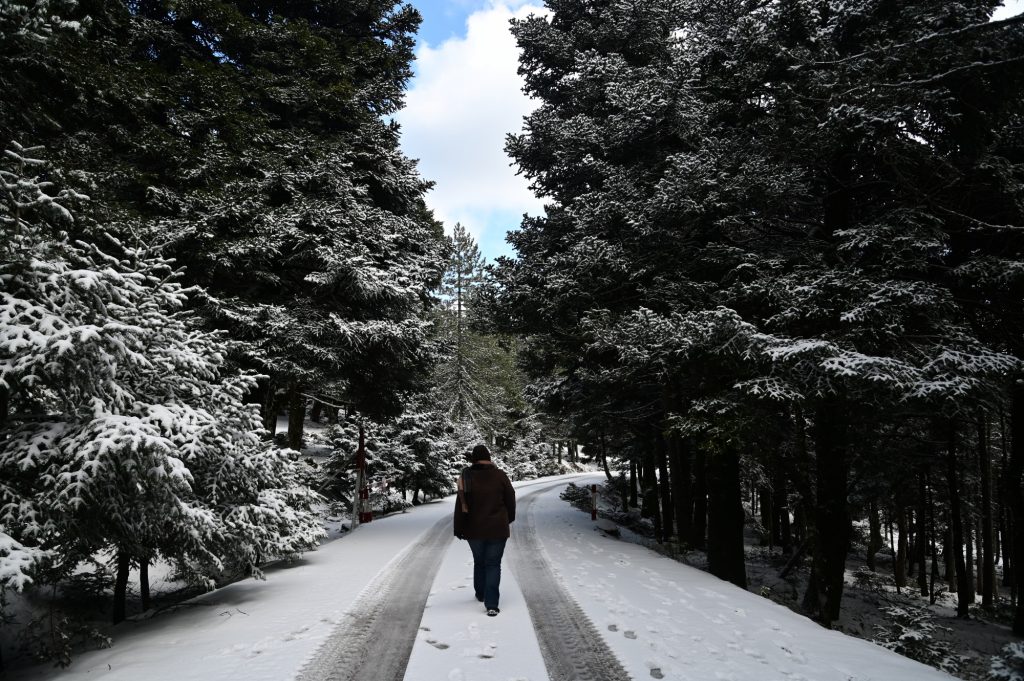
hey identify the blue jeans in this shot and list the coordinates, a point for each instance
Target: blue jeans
(487, 555)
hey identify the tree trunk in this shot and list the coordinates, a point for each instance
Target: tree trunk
(909, 522)
(1015, 492)
(963, 599)
(124, 564)
(5, 407)
(682, 491)
(766, 508)
(969, 555)
(604, 459)
(874, 534)
(144, 583)
(725, 518)
(296, 417)
(699, 527)
(315, 411)
(664, 486)
(921, 547)
(832, 521)
(269, 408)
(632, 482)
(899, 568)
(650, 509)
(782, 512)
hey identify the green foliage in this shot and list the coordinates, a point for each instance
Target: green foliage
(911, 631)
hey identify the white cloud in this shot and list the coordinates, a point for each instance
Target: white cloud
(465, 98)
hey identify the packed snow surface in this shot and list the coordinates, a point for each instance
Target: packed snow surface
(661, 618)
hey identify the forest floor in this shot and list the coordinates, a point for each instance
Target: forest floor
(872, 608)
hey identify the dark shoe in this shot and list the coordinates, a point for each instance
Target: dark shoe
(491, 612)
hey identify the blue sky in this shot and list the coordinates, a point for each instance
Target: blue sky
(466, 96)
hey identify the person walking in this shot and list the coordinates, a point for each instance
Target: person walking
(484, 508)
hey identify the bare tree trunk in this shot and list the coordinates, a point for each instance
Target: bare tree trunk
(632, 483)
(921, 547)
(124, 563)
(963, 599)
(269, 408)
(296, 417)
(831, 521)
(900, 566)
(874, 534)
(604, 459)
(698, 538)
(144, 583)
(664, 486)
(782, 511)
(682, 490)
(649, 508)
(316, 411)
(725, 519)
(1015, 493)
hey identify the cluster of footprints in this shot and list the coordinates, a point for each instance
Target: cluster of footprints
(486, 652)
(630, 634)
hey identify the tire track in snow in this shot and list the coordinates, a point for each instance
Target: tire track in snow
(572, 648)
(375, 640)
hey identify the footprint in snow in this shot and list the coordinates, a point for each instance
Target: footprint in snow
(438, 644)
(613, 627)
(794, 655)
(630, 635)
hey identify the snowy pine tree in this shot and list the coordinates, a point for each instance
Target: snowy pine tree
(122, 430)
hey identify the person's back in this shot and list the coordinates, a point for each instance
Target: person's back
(484, 507)
(491, 502)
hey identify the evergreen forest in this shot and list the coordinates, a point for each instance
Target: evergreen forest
(777, 287)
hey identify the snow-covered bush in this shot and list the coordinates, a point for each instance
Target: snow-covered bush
(1008, 666)
(869, 580)
(125, 429)
(911, 631)
(579, 497)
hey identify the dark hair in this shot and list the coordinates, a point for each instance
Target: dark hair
(480, 453)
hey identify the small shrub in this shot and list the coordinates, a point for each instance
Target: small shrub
(578, 496)
(911, 633)
(1008, 666)
(866, 579)
(55, 636)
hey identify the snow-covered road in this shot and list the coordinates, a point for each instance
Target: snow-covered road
(659, 618)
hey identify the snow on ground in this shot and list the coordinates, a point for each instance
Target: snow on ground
(662, 619)
(256, 630)
(667, 620)
(458, 642)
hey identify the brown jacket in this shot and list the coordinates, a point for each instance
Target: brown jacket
(491, 501)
